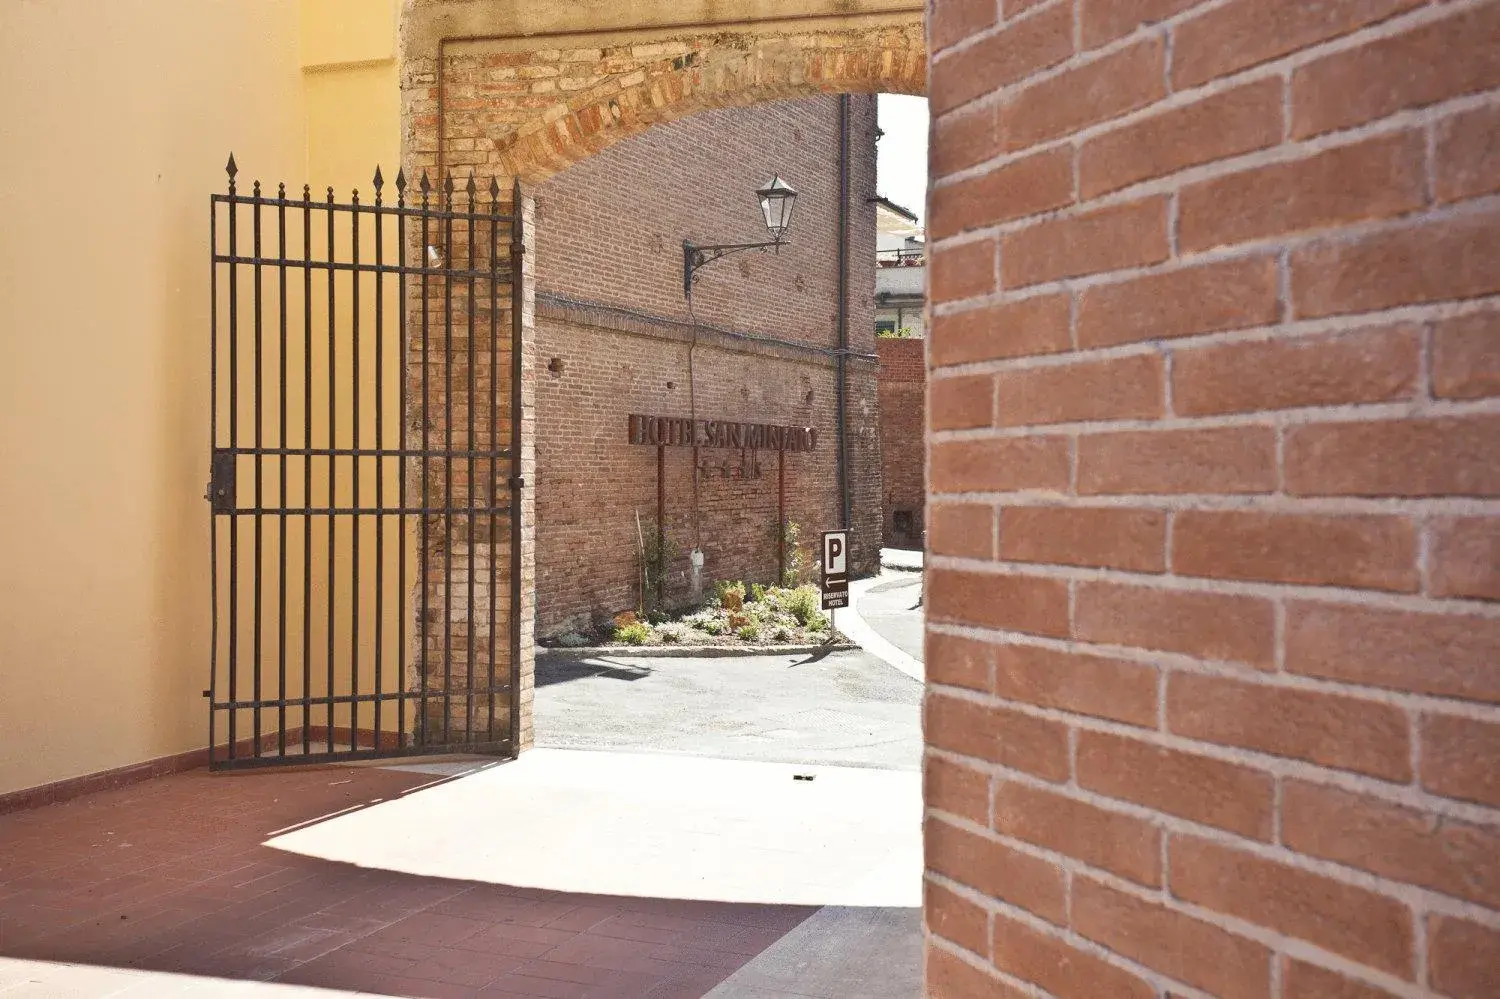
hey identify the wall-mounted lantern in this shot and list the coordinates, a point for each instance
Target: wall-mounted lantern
(777, 200)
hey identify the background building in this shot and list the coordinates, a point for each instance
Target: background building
(901, 271)
(759, 344)
(900, 328)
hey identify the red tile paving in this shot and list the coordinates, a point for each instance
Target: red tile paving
(171, 875)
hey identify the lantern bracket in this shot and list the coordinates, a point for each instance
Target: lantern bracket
(695, 257)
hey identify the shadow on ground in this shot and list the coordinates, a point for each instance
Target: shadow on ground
(173, 875)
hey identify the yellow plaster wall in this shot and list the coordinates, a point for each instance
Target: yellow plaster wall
(117, 118)
(348, 52)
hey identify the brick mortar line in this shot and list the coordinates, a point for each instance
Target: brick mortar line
(1410, 795)
(1401, 411)
(935, 56)
(1420, 901)
(987, 967)
(1288, 149)
(1344, 234)
(1285, 65)
(1437, 506)
(1065, 933)
(1277, 943)
(1409, 311)
(1343, 596)
(1336, 233)
(994, 906)
(1078, 58)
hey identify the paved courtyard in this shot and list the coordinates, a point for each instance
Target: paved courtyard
(734, 828)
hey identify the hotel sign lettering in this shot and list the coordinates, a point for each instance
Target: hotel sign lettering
(672, 431)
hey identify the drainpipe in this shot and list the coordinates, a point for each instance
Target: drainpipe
(843, 310)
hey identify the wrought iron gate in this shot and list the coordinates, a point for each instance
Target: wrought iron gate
(365, 483)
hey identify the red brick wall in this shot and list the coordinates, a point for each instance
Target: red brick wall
(610, 231)
(903, 424)
(1214, 647)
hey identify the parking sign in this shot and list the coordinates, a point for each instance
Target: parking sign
(835, 569)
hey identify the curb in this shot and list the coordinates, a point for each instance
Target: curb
(695, 651)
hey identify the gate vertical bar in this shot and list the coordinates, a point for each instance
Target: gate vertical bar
(380, 449)
(213, 444)
(234, 442)
(405, 355)
(259, 465)
(354, 522)
(517, 250)
(333, 467)
(307, 480)
(447, 461)
(470, 446)
(491, 483)
(424, 566)
(281, 479)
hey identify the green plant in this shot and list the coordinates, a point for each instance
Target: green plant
(656, 616)
(757, 593)
(656, 557)
(803, 603)
(796, 558)
(782, 634)
(818, 622)
(904, 333)
(713, 626)
(635, 633)
(749, 633)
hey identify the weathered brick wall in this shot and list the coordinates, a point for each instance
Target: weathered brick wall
(903, 428)
(614, 317)
(1215, 470)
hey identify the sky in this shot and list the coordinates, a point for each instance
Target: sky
(901, 169)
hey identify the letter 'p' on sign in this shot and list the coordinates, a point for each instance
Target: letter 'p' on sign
(835, 569)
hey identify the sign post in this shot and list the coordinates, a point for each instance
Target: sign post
(835, 569)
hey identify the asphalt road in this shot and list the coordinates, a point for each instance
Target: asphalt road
(839, 708)
(894, 610)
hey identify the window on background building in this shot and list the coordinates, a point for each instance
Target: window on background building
(885, 327)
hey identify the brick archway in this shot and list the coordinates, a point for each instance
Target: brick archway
(530, 108)
(478, 95)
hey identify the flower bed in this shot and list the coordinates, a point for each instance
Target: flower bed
(736, 614)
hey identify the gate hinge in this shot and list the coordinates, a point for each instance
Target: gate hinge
(517, 482)
(220, 494)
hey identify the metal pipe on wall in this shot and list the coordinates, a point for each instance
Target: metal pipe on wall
(843, 312)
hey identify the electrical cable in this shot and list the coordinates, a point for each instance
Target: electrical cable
(693, 415)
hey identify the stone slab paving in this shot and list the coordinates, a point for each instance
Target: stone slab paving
(838, 953)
